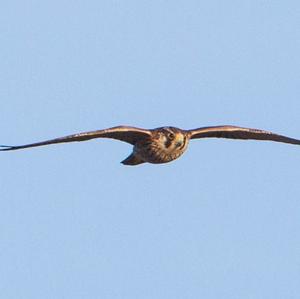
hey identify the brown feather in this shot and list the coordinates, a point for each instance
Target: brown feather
(234, 132)
(123, 133)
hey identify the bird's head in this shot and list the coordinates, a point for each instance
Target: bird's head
(172, 139)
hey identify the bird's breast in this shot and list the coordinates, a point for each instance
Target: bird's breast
(156, 152)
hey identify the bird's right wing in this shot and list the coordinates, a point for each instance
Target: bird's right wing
(123, 133)
(234, 132)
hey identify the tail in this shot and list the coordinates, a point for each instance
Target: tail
(132, 160)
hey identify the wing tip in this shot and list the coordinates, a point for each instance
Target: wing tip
(6, 147)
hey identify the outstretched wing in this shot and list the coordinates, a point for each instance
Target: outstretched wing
(123, 133)
(234, 132)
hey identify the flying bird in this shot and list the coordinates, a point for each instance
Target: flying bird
(164, 144)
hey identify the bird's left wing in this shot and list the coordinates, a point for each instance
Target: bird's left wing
(123, 133)
(234, 132)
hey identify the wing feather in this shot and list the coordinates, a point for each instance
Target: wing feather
(123, 133)
(234, 132)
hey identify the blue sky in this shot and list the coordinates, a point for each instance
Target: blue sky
(220, 222)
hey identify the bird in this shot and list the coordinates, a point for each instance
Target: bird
(163, 144)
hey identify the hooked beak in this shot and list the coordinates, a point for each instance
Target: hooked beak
(179, 143)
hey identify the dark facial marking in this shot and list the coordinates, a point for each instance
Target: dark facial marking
(170, 137)
(168, 142)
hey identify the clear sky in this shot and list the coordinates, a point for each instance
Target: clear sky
(223, 221)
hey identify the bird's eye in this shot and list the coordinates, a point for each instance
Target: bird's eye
(171, 136)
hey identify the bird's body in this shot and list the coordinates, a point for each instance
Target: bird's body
(164, 144)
